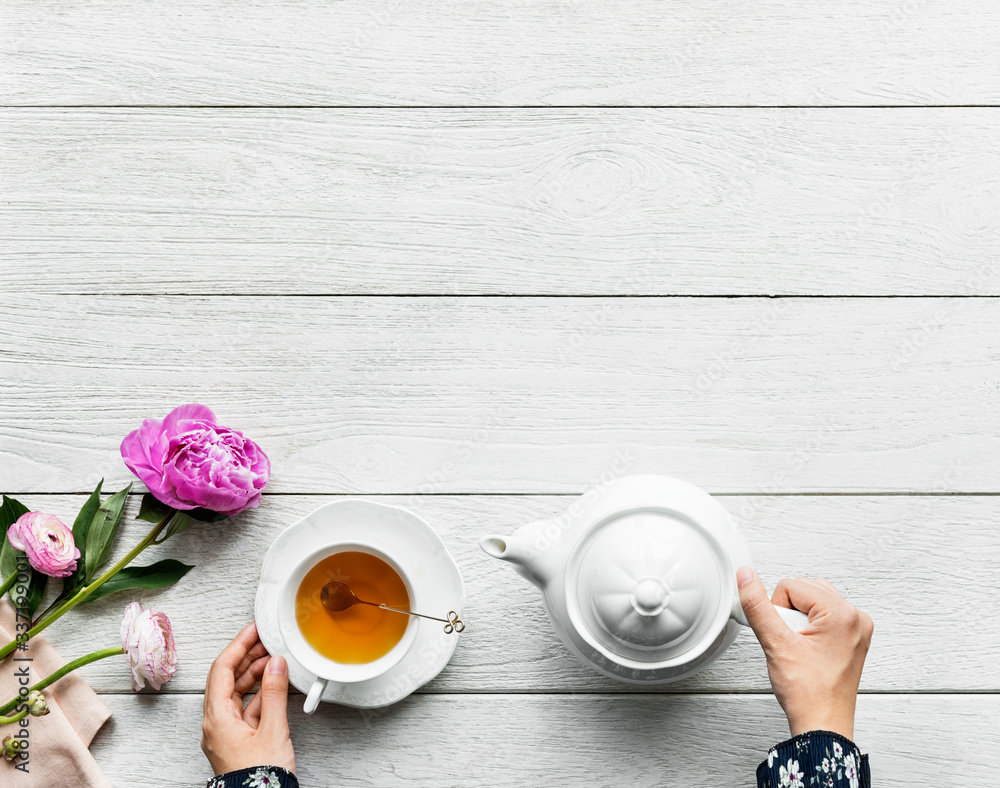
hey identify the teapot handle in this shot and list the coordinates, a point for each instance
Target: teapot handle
(796, 619)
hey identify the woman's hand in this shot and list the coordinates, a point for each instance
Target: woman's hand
(814, 673)
(236, 738)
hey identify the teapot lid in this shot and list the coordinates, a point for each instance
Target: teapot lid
(650, 584)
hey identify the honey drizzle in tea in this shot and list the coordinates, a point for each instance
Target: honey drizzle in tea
(362, 633)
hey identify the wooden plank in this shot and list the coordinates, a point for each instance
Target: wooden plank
(438, 395)
(578, 52)
(563, 202)
(916, 564)
(692, 741)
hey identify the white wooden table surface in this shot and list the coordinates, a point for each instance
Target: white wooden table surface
(473, 257)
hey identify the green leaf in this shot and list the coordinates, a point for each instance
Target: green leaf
(8, 558)
(81, 525)
(179, 523)
(10, 510)
(33, 592)
(101, 535)
(36, 590)
(152, 509)
(159, 575)
(117, 505)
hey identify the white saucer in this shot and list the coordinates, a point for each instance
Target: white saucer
(429, 567)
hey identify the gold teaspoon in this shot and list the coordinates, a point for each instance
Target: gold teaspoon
(337, 597)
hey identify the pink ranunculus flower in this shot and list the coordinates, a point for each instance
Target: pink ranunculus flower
(189, 461)
(149, 643)
(46, 541)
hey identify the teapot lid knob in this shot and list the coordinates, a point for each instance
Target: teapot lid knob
(650, 596)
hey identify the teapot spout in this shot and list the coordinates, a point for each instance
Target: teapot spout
(524, 549)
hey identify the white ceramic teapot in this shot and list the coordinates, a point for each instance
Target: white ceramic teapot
(638, 577)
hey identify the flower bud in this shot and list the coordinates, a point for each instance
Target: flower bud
(37, 705)
(11, 748)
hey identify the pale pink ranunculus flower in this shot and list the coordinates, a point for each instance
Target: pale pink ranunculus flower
(47, 543)
(149, 643)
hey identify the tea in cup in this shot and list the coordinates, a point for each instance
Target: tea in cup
(352, 645)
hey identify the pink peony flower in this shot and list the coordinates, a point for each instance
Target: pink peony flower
(149, 643)
(188, 461)
(46, 541)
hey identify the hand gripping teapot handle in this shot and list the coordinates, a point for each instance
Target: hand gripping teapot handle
(796, 619)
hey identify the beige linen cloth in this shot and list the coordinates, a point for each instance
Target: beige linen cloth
(59, 741)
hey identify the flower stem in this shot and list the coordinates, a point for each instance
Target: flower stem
(89, 589)
(16, 718)
(69, 667)
(8, 584)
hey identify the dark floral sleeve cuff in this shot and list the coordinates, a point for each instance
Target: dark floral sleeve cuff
(816, 758)
(255, 777)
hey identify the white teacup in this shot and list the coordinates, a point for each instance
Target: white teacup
(324, 669)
